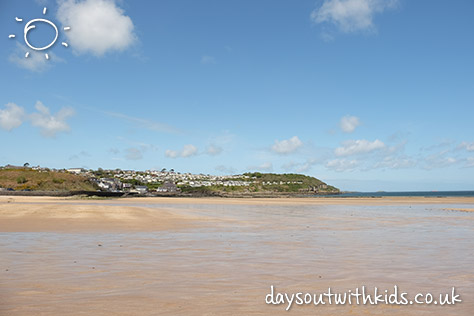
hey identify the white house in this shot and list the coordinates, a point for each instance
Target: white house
(75, 170)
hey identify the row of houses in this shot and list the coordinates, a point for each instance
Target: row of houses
(151, 176)
(122, 178)
(208, 183)
(119, 180)
(281, 182)
(115, 185)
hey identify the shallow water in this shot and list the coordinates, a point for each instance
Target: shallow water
(227, 269)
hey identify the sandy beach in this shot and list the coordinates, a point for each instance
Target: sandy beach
(212, 256)
(24, 214)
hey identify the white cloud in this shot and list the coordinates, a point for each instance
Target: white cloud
(224, 138)
(36, 60)
(140, 145)
(327, 37)
(50, 124)
(467, 146)
(225, 170)
(438, 160)
(360, 146)
(97, 26)
(351, 15)
(441, 163)
(114, 151)
(444, 144)
(83, 154)
(207, 60)
(307, 165)
(133, 154)
(303, 166)
(348, 124)
(171, 153)
(341, 165)
(144, 123)
(451, 160)
(470, 162)
(287, 146)
(266, 166)
(187, 151)
(213, 150)
(11, 117)
(395, 162)
(290, 165)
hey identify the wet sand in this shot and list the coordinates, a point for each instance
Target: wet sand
(169, 256)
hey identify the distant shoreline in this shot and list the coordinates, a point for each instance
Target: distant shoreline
(342, 195)
(164, 194)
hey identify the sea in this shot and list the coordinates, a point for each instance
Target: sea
(410, 193)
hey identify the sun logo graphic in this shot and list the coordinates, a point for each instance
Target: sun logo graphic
(30, 25)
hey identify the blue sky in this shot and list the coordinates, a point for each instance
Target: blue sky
(363, 94)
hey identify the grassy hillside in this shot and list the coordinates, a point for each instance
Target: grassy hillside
(270, 183)
(301, 180)
(28, 179)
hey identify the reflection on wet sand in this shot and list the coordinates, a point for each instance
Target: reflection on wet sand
(220, 257)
